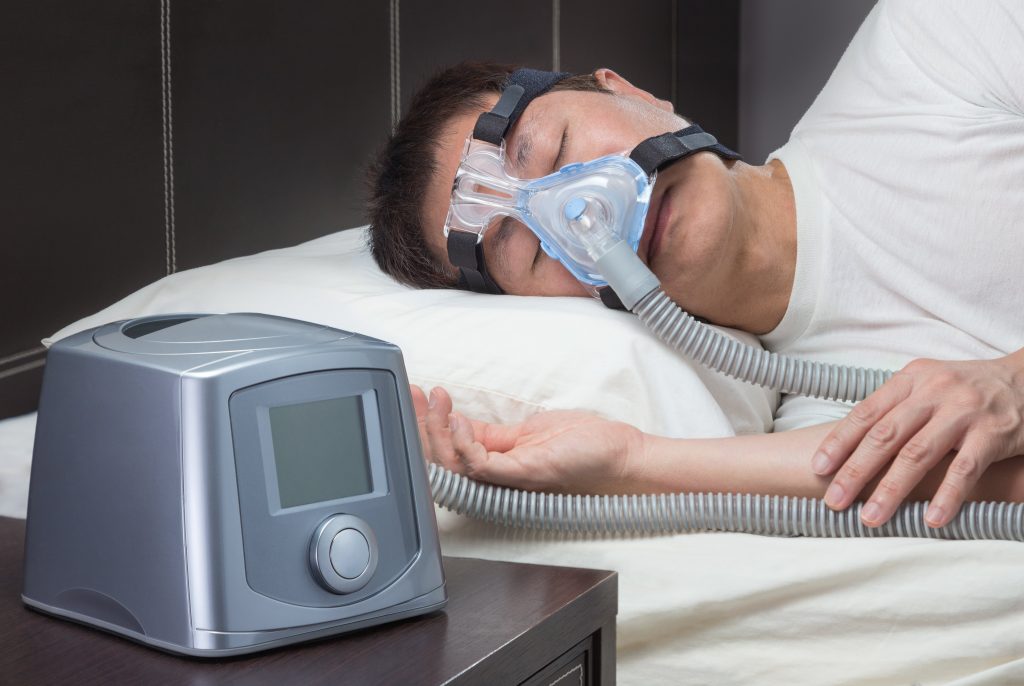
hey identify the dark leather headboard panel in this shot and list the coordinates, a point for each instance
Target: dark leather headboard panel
(148, 136)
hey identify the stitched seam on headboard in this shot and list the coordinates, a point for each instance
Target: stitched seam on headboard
(396, 65)
(28, 366)
(556, 35)
(22, 355)
(4, 361)
(168, 135)
(24, 360)
(674, 57)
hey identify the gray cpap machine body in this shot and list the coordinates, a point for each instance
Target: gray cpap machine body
(221, 484)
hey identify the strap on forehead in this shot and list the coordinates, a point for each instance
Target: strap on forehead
(465, 251)
(521, 87)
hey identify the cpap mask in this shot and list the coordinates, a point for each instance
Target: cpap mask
(612, 191)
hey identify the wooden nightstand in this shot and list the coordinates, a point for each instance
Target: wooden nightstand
(505, 623)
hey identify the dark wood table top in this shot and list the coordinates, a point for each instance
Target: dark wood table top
(502, 620)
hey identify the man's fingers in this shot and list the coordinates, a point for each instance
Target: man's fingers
(480, 463)
(419, 401)
(497, 437)
(848, 433)
(419, 404)
(433, 416)
(916, 458)
(974, 456)
(439, 437)
(470, 453)
(879, 445)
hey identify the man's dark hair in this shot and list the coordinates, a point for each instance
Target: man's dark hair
(402, 171)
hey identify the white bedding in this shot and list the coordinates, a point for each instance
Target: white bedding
(502, 358)
(740, 609)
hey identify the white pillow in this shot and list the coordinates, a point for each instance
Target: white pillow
(502, 358)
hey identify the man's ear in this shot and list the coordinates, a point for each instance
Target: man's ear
(620, 86)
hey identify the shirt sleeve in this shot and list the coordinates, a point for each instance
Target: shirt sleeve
(798, 412)
(972, 49)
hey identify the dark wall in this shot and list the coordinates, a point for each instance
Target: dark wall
(148, 136)
(788, 49)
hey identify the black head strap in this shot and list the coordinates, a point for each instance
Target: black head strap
(610, 298)
(522, 86)
(467, 253)
(660, 151)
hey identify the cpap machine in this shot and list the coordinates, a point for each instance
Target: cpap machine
(213, 485)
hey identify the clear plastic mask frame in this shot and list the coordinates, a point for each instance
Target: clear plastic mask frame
(484, 191)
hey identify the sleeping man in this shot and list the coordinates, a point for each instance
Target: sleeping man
(887, 233)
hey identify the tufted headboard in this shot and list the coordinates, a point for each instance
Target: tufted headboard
(143, 137)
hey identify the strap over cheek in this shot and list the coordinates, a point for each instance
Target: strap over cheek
(467, 253)
(658, 152)
(610, 298)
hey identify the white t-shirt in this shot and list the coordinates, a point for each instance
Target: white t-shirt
(908, 174)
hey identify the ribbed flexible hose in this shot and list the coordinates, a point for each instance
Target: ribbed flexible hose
(679, 512)
(715, 350)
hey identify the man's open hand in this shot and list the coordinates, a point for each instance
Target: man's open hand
(572, 452)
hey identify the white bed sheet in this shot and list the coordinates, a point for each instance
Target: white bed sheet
(740, 609)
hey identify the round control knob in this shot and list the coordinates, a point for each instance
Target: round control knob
(343, 553)
(350, 553)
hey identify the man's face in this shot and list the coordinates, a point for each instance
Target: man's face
(689, 208)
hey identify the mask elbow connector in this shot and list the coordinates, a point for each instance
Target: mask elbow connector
(627, 275)
(614, 258)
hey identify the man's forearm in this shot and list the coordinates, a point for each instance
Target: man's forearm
(763, 463)
(780, 464)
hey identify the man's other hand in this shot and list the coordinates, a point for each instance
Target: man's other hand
(927, 410)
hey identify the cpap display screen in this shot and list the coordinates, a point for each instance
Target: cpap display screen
(320, 451)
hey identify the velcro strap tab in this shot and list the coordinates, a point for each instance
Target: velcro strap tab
(610, 298)
(466, 253)
(508, 101)
(521, 87)
(471, 280)
(696, 141)
(658, 151)
(534, 83)
(462, 249)
(492, 126)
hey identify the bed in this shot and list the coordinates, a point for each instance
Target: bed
(694, 608)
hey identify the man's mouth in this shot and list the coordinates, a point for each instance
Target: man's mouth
(655, 224)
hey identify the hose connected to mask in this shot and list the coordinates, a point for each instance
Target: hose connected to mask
(640, 292)
(717, 351)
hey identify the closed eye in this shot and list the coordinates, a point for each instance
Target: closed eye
(560, 158)
(559, 163)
